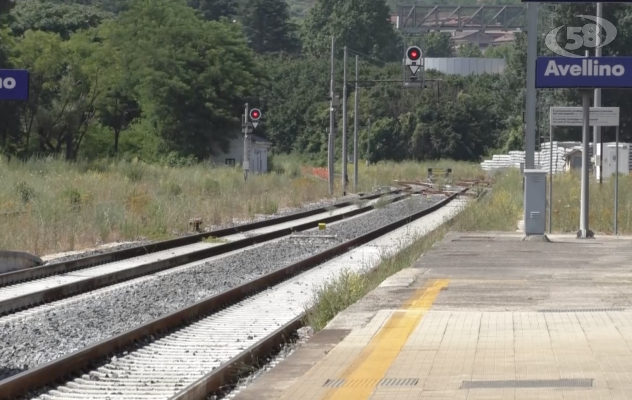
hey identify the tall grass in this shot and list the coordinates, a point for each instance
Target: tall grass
(49, 205)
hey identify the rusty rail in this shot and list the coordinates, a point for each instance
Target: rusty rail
(10, 278)
(74, 288)
(231, 371)
(73, 363)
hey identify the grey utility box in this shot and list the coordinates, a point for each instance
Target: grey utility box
(534, 201)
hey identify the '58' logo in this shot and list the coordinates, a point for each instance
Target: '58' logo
(588, 35)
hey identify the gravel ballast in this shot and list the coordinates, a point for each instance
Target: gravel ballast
(283, 212)
(52, 333)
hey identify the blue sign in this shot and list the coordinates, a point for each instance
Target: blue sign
(14, 84)
(585, 72)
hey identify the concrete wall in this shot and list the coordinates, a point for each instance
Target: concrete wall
(466, 66)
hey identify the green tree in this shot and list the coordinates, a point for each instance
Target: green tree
(213, 10)
(62, 19)
(62, 92)
(470, 50)
(502, 51)
(437, 44)
(189, 75)
(116, 107)
(363, 25)
(267, 26)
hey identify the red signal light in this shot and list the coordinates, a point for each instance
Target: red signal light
(414, 54)
(255, 114)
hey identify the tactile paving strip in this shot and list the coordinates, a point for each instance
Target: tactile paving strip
(388, 382)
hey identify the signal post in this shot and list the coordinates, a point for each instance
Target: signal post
(250, 122)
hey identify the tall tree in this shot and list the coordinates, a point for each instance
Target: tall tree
(214, 10)
(363, 25)
(437, 44)
(188, 75)
(470, 50)
(268, 27)
(62, 19)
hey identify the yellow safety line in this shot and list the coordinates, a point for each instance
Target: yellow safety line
(376, 358)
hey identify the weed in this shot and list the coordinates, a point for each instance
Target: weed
(25, 192)
(73, 197)
(134, 171)
(173, 189)
(210, 186)
(382, 202)
(269, 206)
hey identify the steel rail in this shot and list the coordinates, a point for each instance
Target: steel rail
(29, 274)
(73, 363)
(32, 299)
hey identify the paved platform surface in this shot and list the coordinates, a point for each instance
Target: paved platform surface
(479, 316)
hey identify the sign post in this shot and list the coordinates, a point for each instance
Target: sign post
(573, 116)
(616, 185)
(585, 74)
(584, 232)
(246, 162)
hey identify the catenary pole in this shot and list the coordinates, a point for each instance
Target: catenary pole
(616, 185)
(584, 207)
(246, 162)
(532, 52)
(355, 129)
(597, 129)
(344, 125)
(550, 178)
(330, 164)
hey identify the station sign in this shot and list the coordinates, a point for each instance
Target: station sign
(574, 116)
(14, 85)
(587, 72)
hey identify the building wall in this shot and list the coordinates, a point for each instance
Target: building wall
(258, 155)
(466, 66)
(235, 151)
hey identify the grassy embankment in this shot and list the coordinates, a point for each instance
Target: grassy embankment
(498, 211)
(63, 206)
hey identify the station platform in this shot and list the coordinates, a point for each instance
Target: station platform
(479, 316)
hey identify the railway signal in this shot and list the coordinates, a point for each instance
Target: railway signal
(414, 59)
(255, 115)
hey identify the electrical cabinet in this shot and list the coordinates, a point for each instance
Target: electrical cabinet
(535, 201)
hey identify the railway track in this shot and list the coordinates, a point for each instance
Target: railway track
(58, 268)
(197, 349)
(24, 295)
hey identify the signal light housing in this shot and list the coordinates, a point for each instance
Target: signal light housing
(413, 53)
(255, 114)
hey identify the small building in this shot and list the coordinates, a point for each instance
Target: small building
(259, 149)
(609, 159)
(573, 160)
